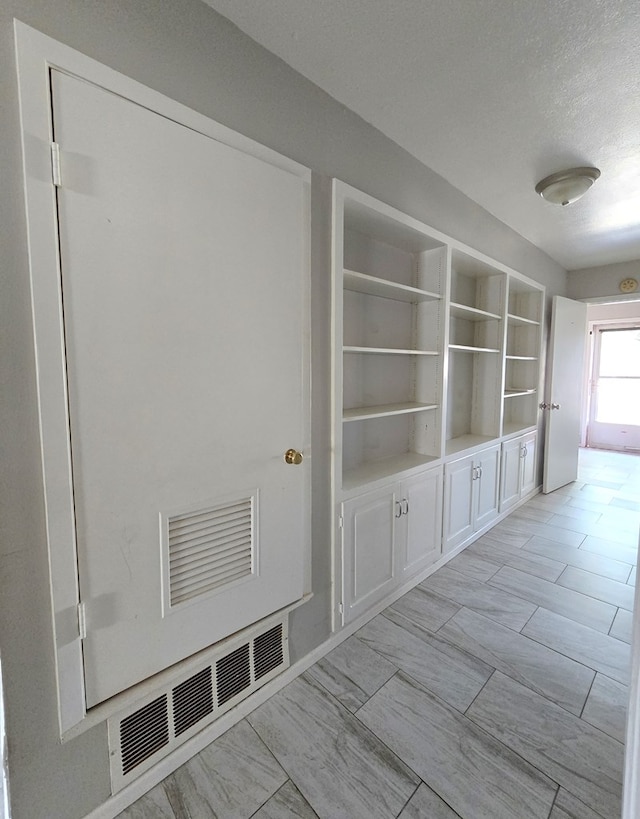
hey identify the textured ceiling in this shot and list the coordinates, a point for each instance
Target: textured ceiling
(491, 94)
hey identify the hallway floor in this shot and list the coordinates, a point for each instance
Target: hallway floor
(496, 689)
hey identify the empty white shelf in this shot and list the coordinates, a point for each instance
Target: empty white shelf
(471, 313)
(381, 411)
(387, 351)
(373, 286)
(464, 348)
(513, 319)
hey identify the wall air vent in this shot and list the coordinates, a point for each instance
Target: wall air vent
(267, 651)
(143, 733)
(192, 700)
(233, 674)
(209, 684)
(208, 549)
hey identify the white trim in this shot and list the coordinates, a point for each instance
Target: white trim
(36, 55)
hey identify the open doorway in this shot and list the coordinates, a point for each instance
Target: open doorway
(611, 400)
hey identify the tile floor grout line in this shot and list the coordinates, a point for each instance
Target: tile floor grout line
(553, 804)
(586, 699)
(527, 623)
(420, 782)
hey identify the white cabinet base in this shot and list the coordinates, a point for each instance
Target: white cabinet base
(470, 495)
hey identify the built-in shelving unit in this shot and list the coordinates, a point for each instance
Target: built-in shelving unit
(522, 359)
(435, 375)
(389, 291)
(476, 341)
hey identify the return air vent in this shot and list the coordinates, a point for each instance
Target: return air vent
(192, 700)
(233, 674)
(208, 549)
(143, 733)
(267, 651)
(210, 684)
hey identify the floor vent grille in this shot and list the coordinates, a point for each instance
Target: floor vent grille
(217, 680)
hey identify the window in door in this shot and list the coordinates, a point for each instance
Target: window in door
(614, 418)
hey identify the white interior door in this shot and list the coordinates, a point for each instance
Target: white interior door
(566, 356)
(614, 409)
(185, 326)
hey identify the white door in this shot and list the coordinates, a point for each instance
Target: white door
(614, 410)
(566, 355)
(184, 318)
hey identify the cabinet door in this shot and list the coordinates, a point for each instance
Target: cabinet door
(511, 473)
(419, 530)
(458, 502)
(368, 550)
(529, 465)
(487, 486)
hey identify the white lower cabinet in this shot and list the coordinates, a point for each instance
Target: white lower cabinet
(470, 495)
(388, 536)
(518, 469)
(420, 526)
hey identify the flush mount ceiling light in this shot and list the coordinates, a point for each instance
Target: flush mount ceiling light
(565, 187)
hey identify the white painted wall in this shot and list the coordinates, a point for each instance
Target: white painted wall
(187, 51)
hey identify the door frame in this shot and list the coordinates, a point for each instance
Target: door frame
(36, 55)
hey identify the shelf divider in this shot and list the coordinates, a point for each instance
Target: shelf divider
(384, 410)
(387, 351)
(464, 348)
(463, 311)
(374, 286)
(514, 319)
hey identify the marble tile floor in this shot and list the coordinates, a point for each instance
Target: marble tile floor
(496, 689)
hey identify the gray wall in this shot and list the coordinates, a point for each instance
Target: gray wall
(185, 50)
(601, 282)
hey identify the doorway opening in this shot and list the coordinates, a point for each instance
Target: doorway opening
(611, 392)
(614, 395)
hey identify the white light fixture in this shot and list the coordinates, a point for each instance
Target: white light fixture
(565, 187)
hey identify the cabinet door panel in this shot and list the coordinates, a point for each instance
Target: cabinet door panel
(511, 473)
(487, 486)
(423, 521)
(368, 550)
(458, 502)
(529, 465)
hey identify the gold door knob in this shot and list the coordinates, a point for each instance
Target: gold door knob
(292, 456)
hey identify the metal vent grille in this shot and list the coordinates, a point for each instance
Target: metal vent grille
(267, 651)
(192, 700)
(143, 733)
(233, 674)
(212, 683)
(209, 549)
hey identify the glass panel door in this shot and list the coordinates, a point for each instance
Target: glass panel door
(614, 418)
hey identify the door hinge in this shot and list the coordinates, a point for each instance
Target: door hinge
(82, 621)
(55, 164)
(340, 522)
(340, 608)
